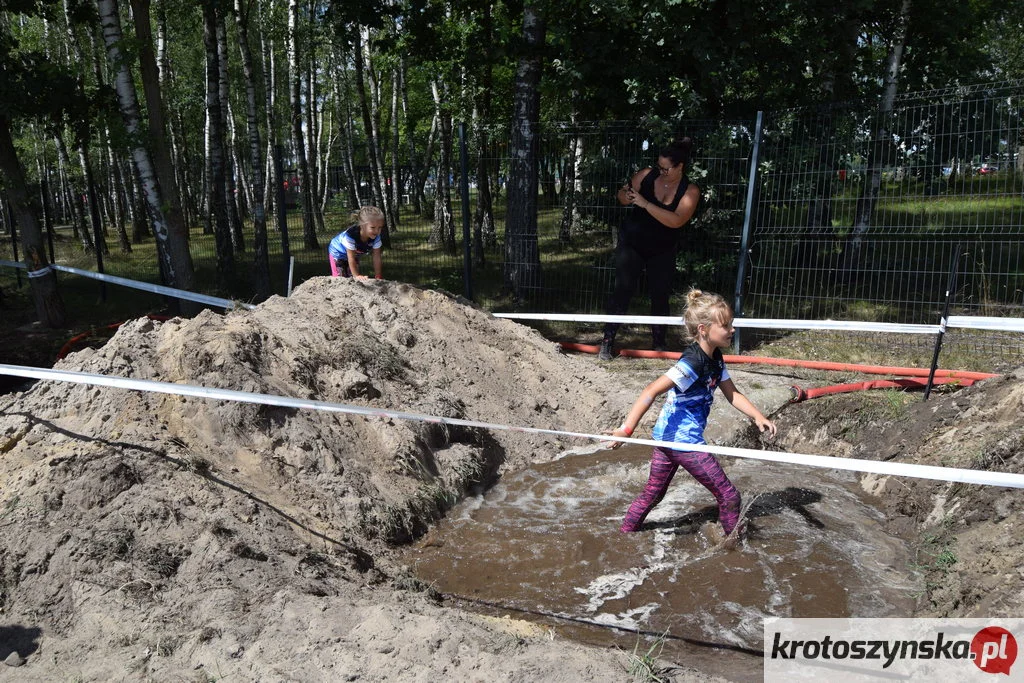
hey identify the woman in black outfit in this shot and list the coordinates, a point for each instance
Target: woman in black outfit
(662, 201)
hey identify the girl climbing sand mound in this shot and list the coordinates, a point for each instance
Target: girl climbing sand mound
(691, 384)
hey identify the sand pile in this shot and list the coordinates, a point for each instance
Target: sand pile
(155, 535)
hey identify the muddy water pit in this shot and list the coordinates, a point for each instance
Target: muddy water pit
(544, 544)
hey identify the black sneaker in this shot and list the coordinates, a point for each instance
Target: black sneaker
(606, 350)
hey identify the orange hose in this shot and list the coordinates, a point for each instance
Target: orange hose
(905, 383)
(70, 343)
(853, 367)
(640, 353)
(788, 362)
(583, 348)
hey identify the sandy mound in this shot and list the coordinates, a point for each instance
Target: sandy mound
(153, 535)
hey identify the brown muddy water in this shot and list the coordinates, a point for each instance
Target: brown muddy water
(543, 544)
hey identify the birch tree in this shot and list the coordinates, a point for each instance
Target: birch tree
(172, 247)
(261, 261)
(522, 258)
(366, 91)
(295, 80)
(215, 161)
(443, 230)
(882, 140)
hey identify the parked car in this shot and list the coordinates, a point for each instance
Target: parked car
(988, 169)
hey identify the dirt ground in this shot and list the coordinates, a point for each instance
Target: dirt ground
(967, 538)
(148, 536)
(153, 536)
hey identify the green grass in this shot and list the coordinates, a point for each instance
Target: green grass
(643, 666)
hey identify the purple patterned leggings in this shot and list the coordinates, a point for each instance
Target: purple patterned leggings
(703, 467)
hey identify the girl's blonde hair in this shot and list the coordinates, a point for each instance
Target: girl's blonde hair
(704, 308)
(366, 214)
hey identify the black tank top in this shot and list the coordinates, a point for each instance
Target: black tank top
(645, 233)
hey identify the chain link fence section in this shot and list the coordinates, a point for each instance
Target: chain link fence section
(858, 211)
(856, 215)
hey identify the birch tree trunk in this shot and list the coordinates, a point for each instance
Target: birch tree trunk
(295, 77)
(484, 232)
(214, 121)
(162, 192)
(443, 230)
(42, 280)
(227, 135)
(571, 188)
(415, 189)
(312, 119)
(522, 258)
(347, 125)
(269, 83)
(876, 157)
(396, 169)
(181, 162)
(136, 212)
(78, 221)
(99, 192)
(119, 207)
(366, 86)
(261, 259)
(428, 156)
(92, 199)
(74, 60)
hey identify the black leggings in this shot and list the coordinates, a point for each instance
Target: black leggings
(629, 264)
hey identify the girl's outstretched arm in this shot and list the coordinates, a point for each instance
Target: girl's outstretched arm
(640, 407)
(743, 404)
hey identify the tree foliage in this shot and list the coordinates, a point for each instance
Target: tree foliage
(600, 60)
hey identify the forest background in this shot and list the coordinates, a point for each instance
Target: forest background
(161, 125)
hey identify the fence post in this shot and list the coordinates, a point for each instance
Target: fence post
(950, 288)
(282, 218)
(741, 270)
(467, 276)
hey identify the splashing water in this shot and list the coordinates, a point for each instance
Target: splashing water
(545, 541)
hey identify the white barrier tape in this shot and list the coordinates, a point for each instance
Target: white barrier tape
(13, 264)
(949, 474)
(986, 323)
(767, 323)
(849, 325)
(45, 270)
(157, 289)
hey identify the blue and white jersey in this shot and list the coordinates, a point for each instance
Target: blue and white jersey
(685, 413)
(350, 240)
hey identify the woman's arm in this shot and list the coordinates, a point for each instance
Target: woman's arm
(670, 219)
(378, 271)
(743, 404)
(623, 194)
(640, 407)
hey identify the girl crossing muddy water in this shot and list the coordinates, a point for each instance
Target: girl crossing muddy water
(691, 385)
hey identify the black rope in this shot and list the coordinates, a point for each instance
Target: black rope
(655, 634)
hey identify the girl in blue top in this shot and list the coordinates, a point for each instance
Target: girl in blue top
(691, 385)
(355, 241)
